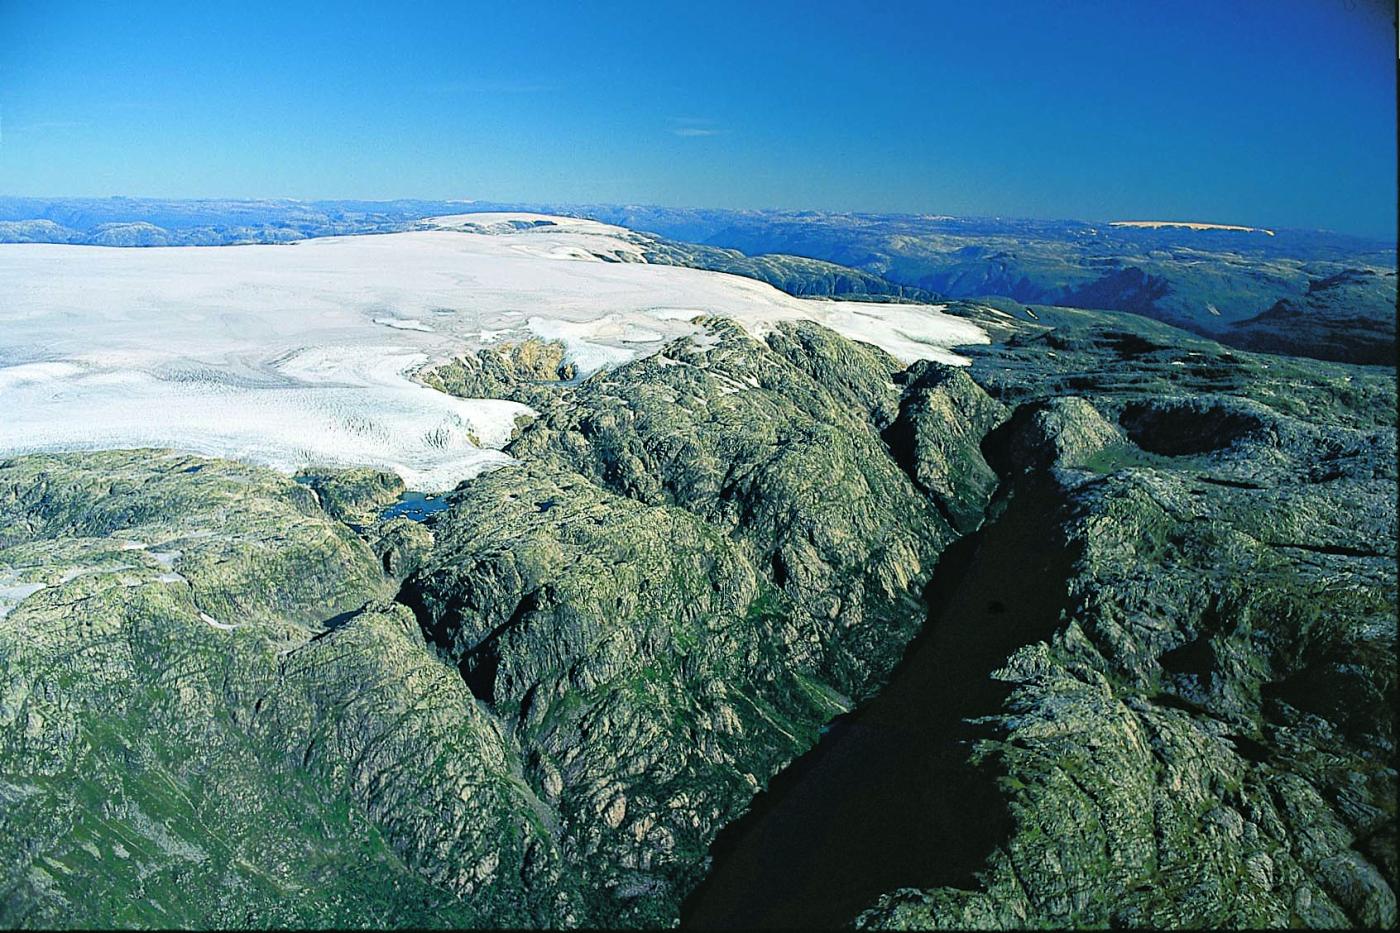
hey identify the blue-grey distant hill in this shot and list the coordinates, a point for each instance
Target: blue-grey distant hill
(1309, 293)
(157, 222)
(1338, 291)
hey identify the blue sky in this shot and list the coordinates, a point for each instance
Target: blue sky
(1277, 113)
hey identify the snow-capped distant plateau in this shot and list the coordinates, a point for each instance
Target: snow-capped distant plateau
(301, 354)
(1187, 225)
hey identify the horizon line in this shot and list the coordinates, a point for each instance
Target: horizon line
(1119, 223)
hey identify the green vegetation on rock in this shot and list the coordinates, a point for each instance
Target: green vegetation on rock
(186, 741)
(217, 713)
(522, 370)
(1204, 739)
(355, 496)
(707, 555)
(228, 698)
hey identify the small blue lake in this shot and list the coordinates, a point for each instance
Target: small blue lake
(415, 506)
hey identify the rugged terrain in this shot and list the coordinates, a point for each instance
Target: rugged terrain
(1205, 736)
(1160, 573)
(214, 701)
(1309, 293)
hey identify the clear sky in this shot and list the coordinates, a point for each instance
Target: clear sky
(1273, 113)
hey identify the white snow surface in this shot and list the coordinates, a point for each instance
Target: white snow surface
(303, 354)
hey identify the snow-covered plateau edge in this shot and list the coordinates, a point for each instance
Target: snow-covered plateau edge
(303, 354)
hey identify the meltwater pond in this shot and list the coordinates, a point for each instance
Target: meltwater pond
(415, 506)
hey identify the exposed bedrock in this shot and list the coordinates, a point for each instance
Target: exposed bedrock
(1155, 605)
(211, 715)
(522, 370)
(937, 439)
(705, 556)
(215, 714)
(1205, 737)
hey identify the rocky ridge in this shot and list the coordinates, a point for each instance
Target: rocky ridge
(1203, 736)
(701, 559)
(229, 698)
(707, 554)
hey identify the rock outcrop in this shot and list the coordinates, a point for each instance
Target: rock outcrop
(708, 554)
(524, 370)
(232, 699)
(1204, 738)
(212, 716)
(224, 690)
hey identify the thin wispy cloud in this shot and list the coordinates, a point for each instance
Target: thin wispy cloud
(695, 127)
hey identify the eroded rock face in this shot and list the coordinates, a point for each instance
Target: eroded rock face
(520, 370)
(786, 458)
(1197, 425)
(212, 701)
(1066, 432)
(649, 672)
(354, 496)
(937, 437)
(212, 716)
(402, 546)
(1201, 741)
(220, 704)
(706, 556)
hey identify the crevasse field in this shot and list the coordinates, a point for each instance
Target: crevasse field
(301, 354)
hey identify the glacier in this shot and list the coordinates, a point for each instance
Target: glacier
(304, 354)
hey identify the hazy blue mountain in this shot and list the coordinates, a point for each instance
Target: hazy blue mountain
(103, 221)
(1329, 321)
(1204, 280)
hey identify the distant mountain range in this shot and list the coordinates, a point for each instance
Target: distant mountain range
(1310, 293)
(1219, 282)
(155, 222)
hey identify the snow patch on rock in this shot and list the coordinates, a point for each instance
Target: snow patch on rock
(301, 354)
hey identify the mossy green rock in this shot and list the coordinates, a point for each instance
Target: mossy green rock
(1204, 739)
(520, 370)
(231, 699)
(778, 445)
(706, 556)
(184, 742)
(354, 496)
(937, 438)
(652, 677)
